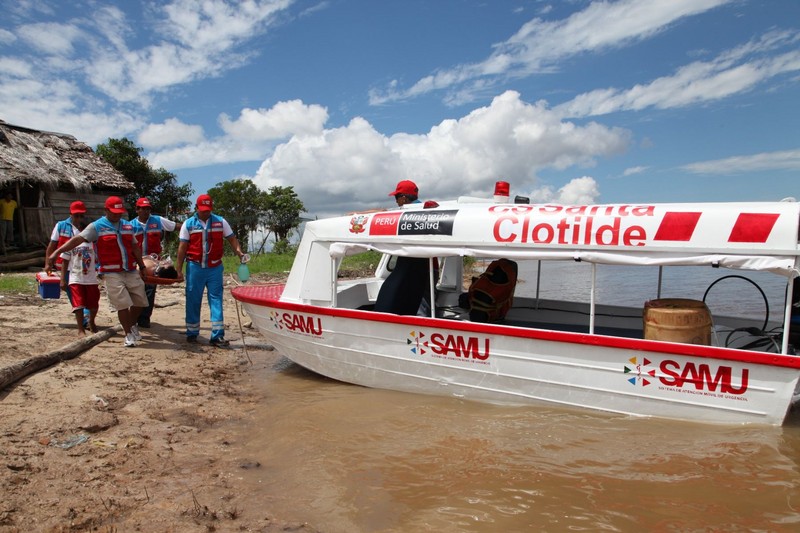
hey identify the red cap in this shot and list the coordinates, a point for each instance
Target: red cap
(77, 207)
(405, 187)
(115, 205)
(204, 203)
(143, 202)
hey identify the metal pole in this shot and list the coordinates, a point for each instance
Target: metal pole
(433, 289)
(538, 280)
(787, 316)
(660, 274)
(591, 301)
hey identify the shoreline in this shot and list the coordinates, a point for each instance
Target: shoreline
(127, 438)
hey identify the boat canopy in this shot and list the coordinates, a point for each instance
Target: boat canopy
(751, 236)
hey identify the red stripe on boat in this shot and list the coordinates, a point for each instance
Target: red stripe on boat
(677, 226)
(753, 227)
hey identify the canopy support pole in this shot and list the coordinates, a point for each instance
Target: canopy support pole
(538, 280)
(660, 278)
(592, 300)
(787, 316)
(334, 276)
(432, 287)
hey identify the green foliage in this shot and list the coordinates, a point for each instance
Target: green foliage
(363, 261)
(270, 263)
(241, 203)
(283, 247)
(18, 284)
(160, 186)
(282, 212)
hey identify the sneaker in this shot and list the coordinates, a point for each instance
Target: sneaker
(219, 341)
(135, 332)
(130, 340)
(191, 339)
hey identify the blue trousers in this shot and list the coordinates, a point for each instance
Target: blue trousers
(199, 279)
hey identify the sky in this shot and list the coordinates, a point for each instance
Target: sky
(570, 101)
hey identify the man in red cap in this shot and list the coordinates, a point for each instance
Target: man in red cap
(63, 231)
(119, 255)
(406, 192)
(202, 239)
(150, 230)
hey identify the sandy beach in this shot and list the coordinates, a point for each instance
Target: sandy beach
(127, 439)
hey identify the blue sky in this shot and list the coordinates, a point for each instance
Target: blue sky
(570, 101)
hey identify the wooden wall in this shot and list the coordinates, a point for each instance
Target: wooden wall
(39, 221)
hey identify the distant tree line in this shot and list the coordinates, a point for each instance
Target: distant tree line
(249, 210)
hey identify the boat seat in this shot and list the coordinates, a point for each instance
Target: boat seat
(403, 290)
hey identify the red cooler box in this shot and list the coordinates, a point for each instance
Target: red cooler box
(49, 286)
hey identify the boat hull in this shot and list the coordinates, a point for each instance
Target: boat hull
(517, 365)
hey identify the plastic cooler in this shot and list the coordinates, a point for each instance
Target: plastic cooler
(49, 286)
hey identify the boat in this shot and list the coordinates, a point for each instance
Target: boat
(668, 358)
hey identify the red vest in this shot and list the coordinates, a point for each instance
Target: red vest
(65, 232)
(114, 245)
(149, 235)
(205, 244)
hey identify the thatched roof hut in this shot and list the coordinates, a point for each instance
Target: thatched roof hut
(45, 172)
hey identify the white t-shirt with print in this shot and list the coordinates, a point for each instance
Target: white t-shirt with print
(82, 264)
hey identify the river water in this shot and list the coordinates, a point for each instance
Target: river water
(350, 459)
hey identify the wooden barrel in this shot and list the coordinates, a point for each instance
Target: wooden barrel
(677, 320)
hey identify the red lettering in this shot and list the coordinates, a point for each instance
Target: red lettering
(613, 228)
(459, 346)
(303, 324)
(496, 231)
(665, 368)
(634, 236)
(700, 376)
(548, 231)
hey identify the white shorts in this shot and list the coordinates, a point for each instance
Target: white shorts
(125, 290)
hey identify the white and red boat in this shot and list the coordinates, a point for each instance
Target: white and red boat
(581, 354)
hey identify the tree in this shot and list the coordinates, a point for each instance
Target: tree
(241, 202)
(159, 185)
(283, 212)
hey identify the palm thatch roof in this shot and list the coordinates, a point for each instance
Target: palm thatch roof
(53, 160)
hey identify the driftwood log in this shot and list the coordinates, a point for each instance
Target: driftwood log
(23, 264)
(22, 256)
(13, 373)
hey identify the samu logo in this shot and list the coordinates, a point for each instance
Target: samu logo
(296, 323)
(640, 371)
(415, 338)
(275, 318)
(449, 346)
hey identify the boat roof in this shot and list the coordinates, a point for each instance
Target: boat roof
(752, 235)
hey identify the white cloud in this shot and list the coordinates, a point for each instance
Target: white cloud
(50, 38)
(634, 170)
(355, 166)
(195, 40)
(99, 95)
(249, 138)
(539, 46)
(6, 37)
(171, 133)
(280, 121)
(214, 152)
(579, 191)
(783, 160)
(732, 72)
(16, 68)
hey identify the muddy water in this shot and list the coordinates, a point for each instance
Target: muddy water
(349, 459)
